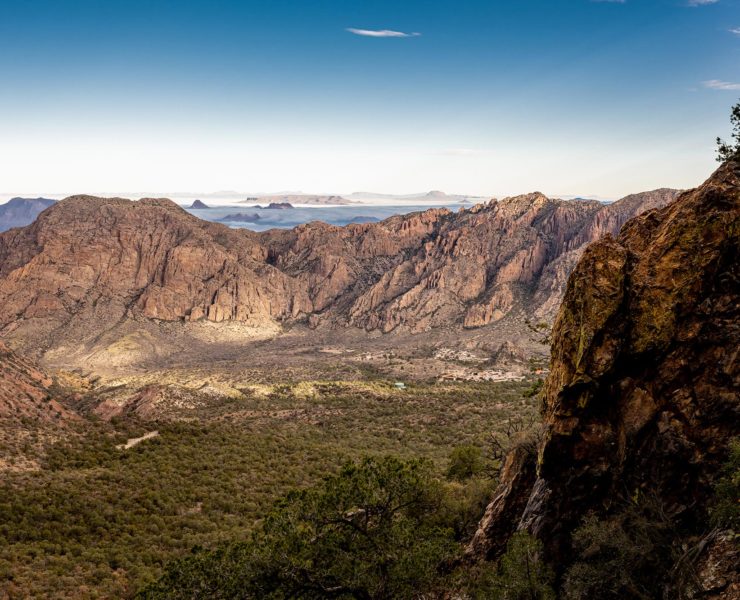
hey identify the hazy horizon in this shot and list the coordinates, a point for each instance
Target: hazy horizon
(238, 196)
(216, 197)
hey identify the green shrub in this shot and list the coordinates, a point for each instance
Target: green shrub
(207, 482)
(520, 574)
(463, 505)
(465, 462)
(726, 510)
(625, 556)
(366, 533)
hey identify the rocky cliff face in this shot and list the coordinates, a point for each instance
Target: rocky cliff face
(88, 263)
(644, 390)
(439, 268)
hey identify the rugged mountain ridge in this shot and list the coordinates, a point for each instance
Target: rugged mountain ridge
(89, 263)
(643, 395)
(86, 264)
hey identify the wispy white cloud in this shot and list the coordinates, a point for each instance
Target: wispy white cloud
(716, 84)
(702, 2)
(382, 33)
(735, 30)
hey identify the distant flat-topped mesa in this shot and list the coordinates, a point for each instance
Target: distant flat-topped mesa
(240, 218)
(277, 206)
(89, 263)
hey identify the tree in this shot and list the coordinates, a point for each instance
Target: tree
(520, 574)
(465, 462)
(731, 150)
(623, 556)
(367, 533)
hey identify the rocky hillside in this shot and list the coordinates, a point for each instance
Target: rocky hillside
(19, 212)
(24, 390)
(439, 268)
(89, 263)
(643, 396)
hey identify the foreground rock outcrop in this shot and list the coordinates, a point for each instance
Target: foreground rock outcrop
(88, 264)
(643, 396)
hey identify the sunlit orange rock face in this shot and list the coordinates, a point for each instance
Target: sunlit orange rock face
(88, 263)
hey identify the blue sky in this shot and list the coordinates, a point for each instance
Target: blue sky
(491, 98)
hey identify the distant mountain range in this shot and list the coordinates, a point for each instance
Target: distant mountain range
(306, 198)
(433, 196)
(299, 197)
(309, 199)
(19, 212)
